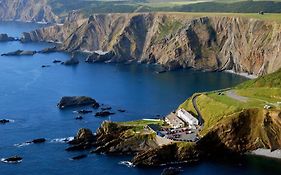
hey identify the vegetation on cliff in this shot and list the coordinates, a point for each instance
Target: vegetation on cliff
(62, 7)
(174, 40)
(235, 122)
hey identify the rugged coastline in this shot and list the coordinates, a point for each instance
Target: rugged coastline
(253, 128)
(172, 40)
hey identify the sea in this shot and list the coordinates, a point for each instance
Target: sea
(29, 94)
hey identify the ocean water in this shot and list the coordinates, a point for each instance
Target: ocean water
(29, 94)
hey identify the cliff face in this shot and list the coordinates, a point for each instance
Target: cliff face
(244, 132)
(176, 40)
(56, 33)
(26, 10)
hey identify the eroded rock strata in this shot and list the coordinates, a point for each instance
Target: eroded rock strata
(237, 134)
(173, 40)
(27, 11)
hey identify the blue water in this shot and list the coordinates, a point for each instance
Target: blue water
(29, 95)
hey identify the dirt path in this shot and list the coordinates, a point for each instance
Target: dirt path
(200, 118)
(232, 94)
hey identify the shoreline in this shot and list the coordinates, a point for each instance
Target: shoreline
(266, 153)
(249, 76)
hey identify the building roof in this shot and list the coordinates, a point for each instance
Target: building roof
(173, 118)
(186, 116)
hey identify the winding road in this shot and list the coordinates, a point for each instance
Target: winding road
(200, 118)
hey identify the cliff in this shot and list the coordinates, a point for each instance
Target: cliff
(231, 127)
(58, 32)
(240, 133)
(26, 10)
(175, 40)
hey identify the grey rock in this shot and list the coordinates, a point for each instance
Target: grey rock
(74, 101)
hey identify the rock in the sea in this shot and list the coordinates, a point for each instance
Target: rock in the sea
(71, 61)
(75, 101)
(56, 61)
(171, 171)
(37, 141)
(121, 110)
(96, 105)
(5, 38)
(79, 118)
(40, 140)
(106, 108)
(84, 111)
(48, 50)
(104, 114)
(85, 135)
(79, 157)
(20, 53)
(4, 121)
(44, 66)
(83, 140)
(99, 57)
(14, 159)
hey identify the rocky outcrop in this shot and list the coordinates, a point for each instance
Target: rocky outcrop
(26, 11)
(5, 38)
(167, 154)
(237, 134)
(37, 141)
(175, 41)
(4, 121)
(97, 57)
(246, 131)
(14, 159)
(20, 53)
(104, 114)
(113, 138)
(84, 140)
(57, 33)
(75, 101)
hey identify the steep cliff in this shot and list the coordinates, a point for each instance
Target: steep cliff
(176, 40)
(26, 10)
(58, 32)
(240, 133)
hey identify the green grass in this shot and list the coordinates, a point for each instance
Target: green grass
(88, 7)
(270, 95)
(271, 80)
(168, 27)
(141, 123)
(215, 107)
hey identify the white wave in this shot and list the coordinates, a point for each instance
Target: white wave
(267, 153)
(22, 144)
(62, 140)
(243, 74)
(127, 163)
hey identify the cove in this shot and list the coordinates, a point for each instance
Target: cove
(29, 94)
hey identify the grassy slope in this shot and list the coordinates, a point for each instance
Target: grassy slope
(215, 107)
(61, 7)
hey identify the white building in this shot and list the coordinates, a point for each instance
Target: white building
(174, 121)
(187, 117)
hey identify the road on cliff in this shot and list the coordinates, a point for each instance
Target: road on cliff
(200, 118)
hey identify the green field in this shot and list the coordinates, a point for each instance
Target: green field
(215, 106)
(62, 7)
(139, 125)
